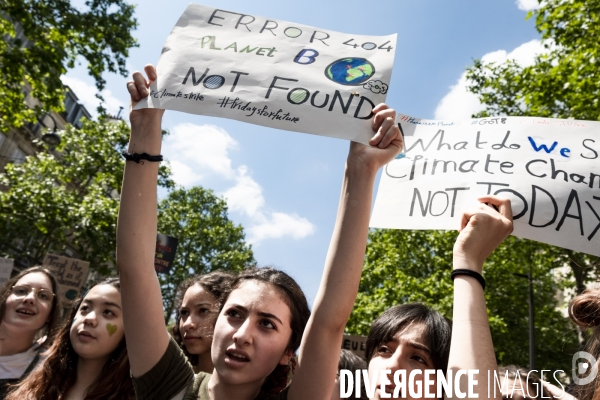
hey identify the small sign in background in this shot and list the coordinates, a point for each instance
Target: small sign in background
(6, 266)
(165, 253)
(357, 344)
(70, 273)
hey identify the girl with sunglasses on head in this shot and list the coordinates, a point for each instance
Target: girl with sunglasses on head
(265, 317)
(88, 360)
(29, 312)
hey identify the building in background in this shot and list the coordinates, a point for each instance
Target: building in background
(18, 143)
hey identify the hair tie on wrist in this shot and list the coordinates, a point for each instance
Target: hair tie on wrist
(137, 157)
(471, 273)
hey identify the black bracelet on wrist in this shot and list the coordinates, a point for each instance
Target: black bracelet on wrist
(471, 273)
(136, 157)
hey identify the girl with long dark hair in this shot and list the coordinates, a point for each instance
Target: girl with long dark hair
(265, 317)
(88, 359)
(199, 300)
(29, 315)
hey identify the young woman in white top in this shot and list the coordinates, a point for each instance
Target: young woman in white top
(29, 311)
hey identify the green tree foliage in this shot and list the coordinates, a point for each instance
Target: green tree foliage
(562, 83)
(208, 240)
(414, 266)
(42, 38)
(67, 198)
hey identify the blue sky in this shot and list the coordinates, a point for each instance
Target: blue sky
(283, 187)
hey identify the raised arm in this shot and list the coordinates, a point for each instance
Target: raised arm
(482, 230)
(321, 344)
(145, 332)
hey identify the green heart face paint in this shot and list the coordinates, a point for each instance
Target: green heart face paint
(111, 329)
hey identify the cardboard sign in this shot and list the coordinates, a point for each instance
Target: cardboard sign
(165, 252)
(6, 266)
(549, 168)
(70, 273)
(356, 344)
(273, 73)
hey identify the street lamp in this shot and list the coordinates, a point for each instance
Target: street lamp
(50, 138)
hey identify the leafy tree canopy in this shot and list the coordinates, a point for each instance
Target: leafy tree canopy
(67, 198)
(563, 82)
(208, 240)
(42, 38)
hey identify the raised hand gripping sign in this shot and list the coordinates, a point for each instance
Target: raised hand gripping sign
(272, 73)
(549, 168)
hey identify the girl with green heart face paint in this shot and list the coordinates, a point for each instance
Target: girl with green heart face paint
(89, 357)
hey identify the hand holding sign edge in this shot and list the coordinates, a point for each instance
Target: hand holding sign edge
(138, 90)
(482, 229)
(383, 146)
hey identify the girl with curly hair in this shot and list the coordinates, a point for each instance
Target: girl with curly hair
(199, 299)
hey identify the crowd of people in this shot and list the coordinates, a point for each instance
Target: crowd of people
(251, 335)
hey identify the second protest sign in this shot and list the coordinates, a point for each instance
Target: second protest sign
(549, 168)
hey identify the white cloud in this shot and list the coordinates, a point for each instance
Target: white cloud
(528, 5)
(246, 196)
(87, 96)
(461, 104)
(197, 152)
(205, 147)
(279, 225)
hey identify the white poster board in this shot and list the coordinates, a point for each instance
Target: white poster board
(70, 273)
(549, 168)
(6, 266)
(272, 73)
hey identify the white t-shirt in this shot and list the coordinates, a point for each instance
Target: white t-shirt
(12, 367)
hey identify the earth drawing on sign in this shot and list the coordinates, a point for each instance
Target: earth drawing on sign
(350, 71)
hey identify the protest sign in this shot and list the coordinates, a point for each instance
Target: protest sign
(70, 273)
(165, 252)
(6, 266)
(273, 73)
(356, 344)
(549, 168)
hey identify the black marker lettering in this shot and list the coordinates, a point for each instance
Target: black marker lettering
(597, 217)
(589, 148)
(270, 29)
(322, 39)
(359, 107)
(337, 95)
(272, 86)
(192, 72)
(572, 196)
(237, 78)
(534, 190)
(489, 160)
(245, 23)
(213, 16)
(455, 190)
(477, 142)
